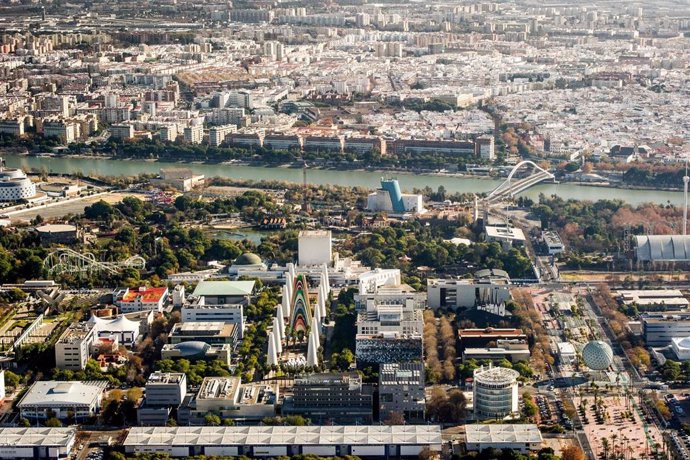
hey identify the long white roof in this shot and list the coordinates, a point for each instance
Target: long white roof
(46, 393)
(503, 433)
(660, 248)
(284, 435)
(39, 436)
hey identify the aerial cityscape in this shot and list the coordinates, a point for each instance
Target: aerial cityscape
(344, 229)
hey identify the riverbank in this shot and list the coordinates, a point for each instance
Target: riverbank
(101, 167)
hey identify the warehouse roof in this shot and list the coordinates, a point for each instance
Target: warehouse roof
(503, 433)
(25, 437)
(659, 248)
(284, 435)
(220, 288)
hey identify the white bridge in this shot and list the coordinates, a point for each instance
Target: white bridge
(510, 187)
(65, 260)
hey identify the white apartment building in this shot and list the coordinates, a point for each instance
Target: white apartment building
(217, 134)
(122, 131)
(194, 134)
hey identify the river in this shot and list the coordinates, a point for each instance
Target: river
(408, 181)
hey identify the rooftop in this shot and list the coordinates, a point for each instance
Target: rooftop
(503, 433)
(219, 388)
(224, 288)
(282, 435)
(144, 294)
(203, 328)
(40, 436)
(163, 378)
(75, 332)
(71, 393)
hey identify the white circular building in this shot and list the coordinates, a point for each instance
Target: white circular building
(14, 185)
(495, 392)
(597, 355)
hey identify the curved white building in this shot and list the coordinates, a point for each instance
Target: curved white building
(681, 347)
(14, 185)
(495, 392)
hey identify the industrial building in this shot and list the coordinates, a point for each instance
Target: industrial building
(371, 441)
(520, 437)
(37, 442)
(47, 398)
(390, 199)
(654, 299)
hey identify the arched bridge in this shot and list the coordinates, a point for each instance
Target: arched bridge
(509, 188)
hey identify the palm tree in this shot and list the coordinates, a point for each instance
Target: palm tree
(605, 447)
(613, 443)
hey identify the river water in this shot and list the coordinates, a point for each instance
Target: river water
(408, 181)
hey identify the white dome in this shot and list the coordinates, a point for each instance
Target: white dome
(685, 343)
(597, 355)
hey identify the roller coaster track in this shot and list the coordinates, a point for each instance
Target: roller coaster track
(65, 260)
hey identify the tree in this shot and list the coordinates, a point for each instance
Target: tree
(211, 419)
(427, 454)
(53, 422)
(11, 379)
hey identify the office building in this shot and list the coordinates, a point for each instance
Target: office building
(495, 392)
(331, 398)
(513, 350)
(389, 332)
(369, 441)
(72, 350)
(489, 287)
(198, 311)
(50, 398)
(194, 351)
(552, 242)
(314, 247)
(521, 437)
(390, 199)
(401, 390)
(212, 333)
(506, 235)
(230, 398)
(166, 389)
(659, 329)
(478, 338)
(141, 299)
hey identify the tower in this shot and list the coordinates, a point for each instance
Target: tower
(307, 204)
(686, 179)
(272, 355)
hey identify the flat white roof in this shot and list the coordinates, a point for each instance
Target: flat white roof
(55, 393)
(503, 433)
(284, 435)
(40, 436)
(505, 233)
(566, 348)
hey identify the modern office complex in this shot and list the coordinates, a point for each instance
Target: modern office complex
(495, 392)
(337, 398)
(489, 287)
(659, 329)
(401, 390)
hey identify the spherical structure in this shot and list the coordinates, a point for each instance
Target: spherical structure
(248, 258)
(192, 349)
(597, 355)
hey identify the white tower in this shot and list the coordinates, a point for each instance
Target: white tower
(686, 179)
(285, 303)
(272, 355)
(312, 350)
(276, 336)
(280, 319)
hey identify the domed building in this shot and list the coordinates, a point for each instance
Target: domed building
(15, 185)
(197, 350)
(248, 264)
(597, 355)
